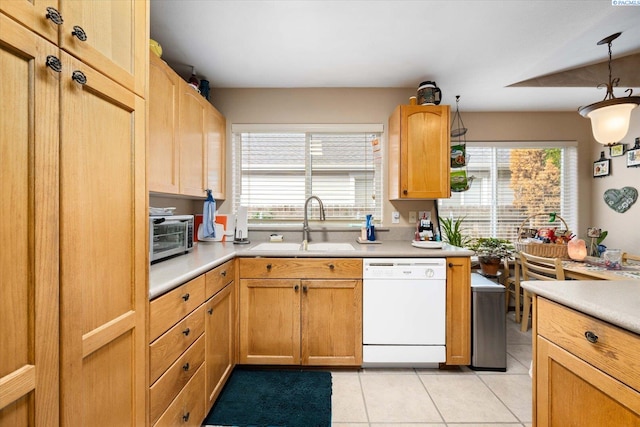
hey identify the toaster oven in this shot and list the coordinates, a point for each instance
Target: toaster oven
(169, 236)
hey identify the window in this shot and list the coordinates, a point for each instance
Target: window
(512, 182)
(277, 167)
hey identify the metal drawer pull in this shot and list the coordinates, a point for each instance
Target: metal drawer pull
(79, 33)
(451, 265)
(305, 289)
(331, 266)
(185, 367)
(185, 297)
(185, 417)
(54, 63)
(186, 332)
(296, 287)
(268, 266)
(224, 273)
(79, 77)
(210, 311)
(591, 337)
(54, 16)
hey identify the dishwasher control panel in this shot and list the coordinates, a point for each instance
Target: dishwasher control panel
(404, 268)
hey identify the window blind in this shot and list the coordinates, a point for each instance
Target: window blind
(513, 182)
(275, 171)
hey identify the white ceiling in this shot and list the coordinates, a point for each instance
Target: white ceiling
(474, 49)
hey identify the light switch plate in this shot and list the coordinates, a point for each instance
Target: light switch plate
(395, 217)
(412, 217)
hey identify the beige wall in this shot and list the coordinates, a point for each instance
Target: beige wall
(623, 228)
(371, 105)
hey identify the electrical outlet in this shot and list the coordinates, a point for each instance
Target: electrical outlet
(395, 217)
(412, 217)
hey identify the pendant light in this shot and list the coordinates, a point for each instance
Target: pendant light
(610, 117)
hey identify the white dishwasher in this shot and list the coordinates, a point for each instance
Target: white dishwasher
(404, 305)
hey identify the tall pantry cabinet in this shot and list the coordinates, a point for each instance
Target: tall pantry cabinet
(73, 293)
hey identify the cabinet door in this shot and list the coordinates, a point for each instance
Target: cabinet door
(270, 321)
(33, 15)
(219, 327)
(164, 149)
(458, 340)
(192, 142)
(103, 257)
(29, 268)
(215, 134)
(117, 38)
(571, 392)
(332, 322)
(424, 152)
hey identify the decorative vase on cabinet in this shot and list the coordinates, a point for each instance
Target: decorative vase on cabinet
(419, 161)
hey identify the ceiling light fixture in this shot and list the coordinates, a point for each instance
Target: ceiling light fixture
(610, 117)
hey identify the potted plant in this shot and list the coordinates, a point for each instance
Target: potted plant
(452, 232)
(491, 251)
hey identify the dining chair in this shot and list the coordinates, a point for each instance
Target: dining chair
(627, 256)
(537, 268)
(511, 284)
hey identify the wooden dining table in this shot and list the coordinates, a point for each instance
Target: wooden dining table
(579, 270)
(595, 271)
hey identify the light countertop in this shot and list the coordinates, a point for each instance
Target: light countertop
(615, 302)
(173, 272)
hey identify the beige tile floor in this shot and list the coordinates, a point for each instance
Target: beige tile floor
(430, 397)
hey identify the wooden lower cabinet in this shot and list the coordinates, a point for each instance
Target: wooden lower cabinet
(314, 320)
(458, 330)
(192, 347)
(583, 383)
(188, 408)
(220, 342)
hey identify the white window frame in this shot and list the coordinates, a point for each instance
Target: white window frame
(568, 185)
(365, 128)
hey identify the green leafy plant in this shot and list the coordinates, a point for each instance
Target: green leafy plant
(453, 233)
(490, 247)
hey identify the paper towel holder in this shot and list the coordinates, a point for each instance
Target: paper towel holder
(241, 234)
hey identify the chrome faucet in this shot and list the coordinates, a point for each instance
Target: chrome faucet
(305, 224)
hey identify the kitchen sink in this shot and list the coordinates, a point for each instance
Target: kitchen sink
(320, 246)
(330, 246)
(276, 246)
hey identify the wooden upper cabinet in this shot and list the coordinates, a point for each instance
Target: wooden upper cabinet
(29, 289)
(116, 43)
(215, 135)
(33, 15)
(192, 142)
(186, 137)
(164, 147)
(419, 152)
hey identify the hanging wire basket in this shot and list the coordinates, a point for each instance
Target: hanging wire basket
(457, 125)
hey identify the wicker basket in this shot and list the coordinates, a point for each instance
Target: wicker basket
(548, 250)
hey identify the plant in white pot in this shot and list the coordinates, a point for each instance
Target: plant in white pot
(491, 251)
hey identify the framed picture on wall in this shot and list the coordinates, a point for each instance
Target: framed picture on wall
(602, 167)
(633, 158)
(616, 150)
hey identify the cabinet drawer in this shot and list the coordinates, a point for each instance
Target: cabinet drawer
(188, 408)
(175, 378)
(615, 352)
(218, 278)
(301, 268)
(166, 349)
(166, 310)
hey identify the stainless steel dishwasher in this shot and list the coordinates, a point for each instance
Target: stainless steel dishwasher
(404, 304)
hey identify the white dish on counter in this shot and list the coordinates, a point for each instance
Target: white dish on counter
(427, 244)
